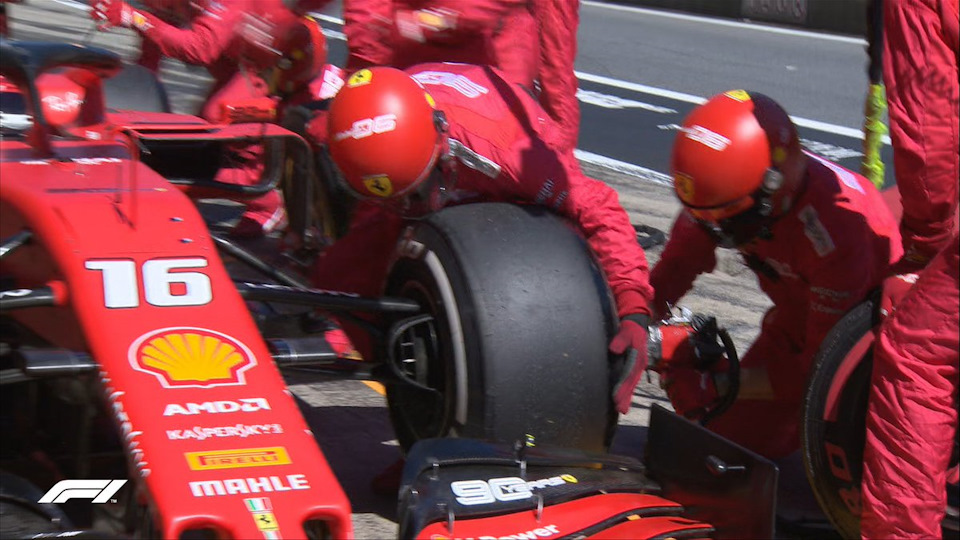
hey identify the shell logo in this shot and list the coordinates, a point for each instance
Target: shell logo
(188, 357)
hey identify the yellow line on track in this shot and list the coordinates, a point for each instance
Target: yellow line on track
(377, 387)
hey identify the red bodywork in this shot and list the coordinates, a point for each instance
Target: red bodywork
(141, 288)
(647, 516)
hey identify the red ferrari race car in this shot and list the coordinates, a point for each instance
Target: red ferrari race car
(143, 392)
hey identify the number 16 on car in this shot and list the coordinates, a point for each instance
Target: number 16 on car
(166, 282)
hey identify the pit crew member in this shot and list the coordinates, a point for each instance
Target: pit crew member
(911, 414)
(920, 74)
(410, 142)
(206, 33)
(817, 236)
(530, 41)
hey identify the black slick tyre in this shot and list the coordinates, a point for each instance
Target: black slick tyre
(833, 430)
(523, 316)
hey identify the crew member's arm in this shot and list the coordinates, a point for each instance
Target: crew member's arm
(690, 251)
(451, 21)
(368, 25)
(150, 56)
(202, 43)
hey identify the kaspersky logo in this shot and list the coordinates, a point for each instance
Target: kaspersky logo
(188, 357)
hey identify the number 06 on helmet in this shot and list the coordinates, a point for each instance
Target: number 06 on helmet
(384, 134)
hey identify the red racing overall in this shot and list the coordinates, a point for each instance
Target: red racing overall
(832, 247)
(211, 40)
(500, 130)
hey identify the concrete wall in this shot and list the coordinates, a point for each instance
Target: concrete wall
(841, 16)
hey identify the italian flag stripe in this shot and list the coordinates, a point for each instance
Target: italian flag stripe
(261, 504)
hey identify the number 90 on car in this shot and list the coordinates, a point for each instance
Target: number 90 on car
(511, 488)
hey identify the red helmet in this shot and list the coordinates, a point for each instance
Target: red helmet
(384, 133)
(303, 48)
(737, 157)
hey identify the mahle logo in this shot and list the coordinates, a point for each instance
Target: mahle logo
(101, 491)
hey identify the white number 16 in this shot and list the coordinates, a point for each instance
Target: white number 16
(120, 288)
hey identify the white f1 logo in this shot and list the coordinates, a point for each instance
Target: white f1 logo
(99, 490)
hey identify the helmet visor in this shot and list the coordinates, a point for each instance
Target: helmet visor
(716, 214)
(740, 229)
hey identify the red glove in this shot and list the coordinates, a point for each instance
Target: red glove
(895, 288)
(107, 13)
(631, 341)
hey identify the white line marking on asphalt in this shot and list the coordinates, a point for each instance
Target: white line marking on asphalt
(615, 102)
(697, 100)
(74, 4)
(636, 170)
(327, 18)
(623, 167)
(642, 88)
(726, 22)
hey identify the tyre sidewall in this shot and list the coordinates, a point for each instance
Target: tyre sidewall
(536, 317)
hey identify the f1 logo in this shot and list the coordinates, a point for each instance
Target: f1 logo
(99, 490)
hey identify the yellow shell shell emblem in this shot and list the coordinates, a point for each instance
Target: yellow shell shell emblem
(364, 76)
(683, 183)
(191, 357)
(739, 95)
(379, 185)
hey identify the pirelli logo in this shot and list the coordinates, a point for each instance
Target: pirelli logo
(237, 459)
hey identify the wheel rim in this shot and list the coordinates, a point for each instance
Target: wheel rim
(842, 434)
(420, 413)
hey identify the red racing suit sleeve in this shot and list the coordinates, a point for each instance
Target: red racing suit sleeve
(206, 40)
(368, 25)
(465, 18)
(150, 56)
(595, 207)
(559, 21)
(920, 72)
(689, 252)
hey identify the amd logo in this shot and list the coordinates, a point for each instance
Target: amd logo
(216, 407)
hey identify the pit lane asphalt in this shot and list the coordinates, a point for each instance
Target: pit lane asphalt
(348, 417)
